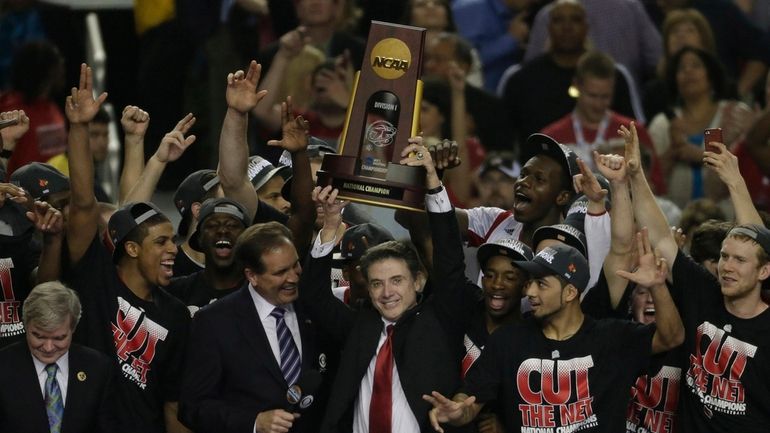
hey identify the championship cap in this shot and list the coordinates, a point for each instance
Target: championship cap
(564, 233)
(503, 163)
(261, 170)
(559, 260)
(127, 218)
(512, 248)
(759, 234)
(221, 206)
(359, 238)
(193, 189)
(40, 179)
(541, 144)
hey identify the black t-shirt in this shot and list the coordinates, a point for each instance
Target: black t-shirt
(184, 265)
(654, 403)
(580, 384)
(727, 367)
(147, 338)
(196, 293)
(17, 260)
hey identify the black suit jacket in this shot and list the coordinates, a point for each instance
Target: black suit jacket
(231, 374)
(426, 340)
(88, 405)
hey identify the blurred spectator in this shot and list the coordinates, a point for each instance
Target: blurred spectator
(753, 154)
(681, 28)
(758, 11)
(37, 73)
(696, 213)
(19, 23)
(706, 243)
(629, 36)
(496, 179)
(268, 181)
(696, 85)
(742, 48)
(497, 28)
(592, 126)
(538, 92)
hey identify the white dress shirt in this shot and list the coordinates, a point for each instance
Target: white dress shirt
(62, 375)
(402, 418)
(264, 308)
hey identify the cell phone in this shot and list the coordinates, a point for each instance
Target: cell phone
(712, 135)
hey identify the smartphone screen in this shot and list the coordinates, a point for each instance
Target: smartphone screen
(712, 135)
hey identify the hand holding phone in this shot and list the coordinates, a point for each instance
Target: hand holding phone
(713, 135)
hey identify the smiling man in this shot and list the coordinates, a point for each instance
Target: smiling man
(221, 222)
(75, 382)
(250, 348)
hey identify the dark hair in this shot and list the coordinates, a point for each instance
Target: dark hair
(714, 72)
(463, 52)
(36, 67)
(400, 250)
(595, 64)
(328, 64)
(437, 92)
(697, 212)
(256, 240)
(138, 233)
(406, 17)
(706, 242)
(102, 116)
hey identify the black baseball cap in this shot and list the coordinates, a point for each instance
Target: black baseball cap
(559, 260)
(223, 206)
(541, 144)
(564, 233)
(358, 239)
(261, 170)
(512, 248)
(13, 221)
(193, 189)
(40, 179)
(127, 218)
(758, 233)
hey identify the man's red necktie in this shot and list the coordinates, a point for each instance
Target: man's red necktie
(381, 405)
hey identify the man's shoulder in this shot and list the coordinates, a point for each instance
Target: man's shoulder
(89, 356)
(561, 129)
(225, 306)
(12, 352)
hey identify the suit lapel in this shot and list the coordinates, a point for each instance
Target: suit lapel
(370, 338)
(254, 333)
(29, 389)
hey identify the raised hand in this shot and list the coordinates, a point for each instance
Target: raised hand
(586, 183)
(724, 163)
(295, 131)
(81, 107)
(326, 198)
(652, 270)
(613, 167)
(12, 132)
(334, 85)
(456, 77)
(9, 191)
(134, 121)
(241, 93)
(175, 143)
(444, 153)
(292, 42)
(445, 410)
(632, 153)
(46, 218)
(679, 236)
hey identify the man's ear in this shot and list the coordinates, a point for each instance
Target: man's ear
(132, 249)
(570, 293)
(251, 276)
(420, 282)
(764, 271)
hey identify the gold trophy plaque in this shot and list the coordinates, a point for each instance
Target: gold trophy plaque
(383, 113)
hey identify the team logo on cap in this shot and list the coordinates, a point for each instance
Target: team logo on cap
(42, 182)
(548, 255)
(571, 267)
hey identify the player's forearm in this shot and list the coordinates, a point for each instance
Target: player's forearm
(133, 164)
(669, 328)
(648, 214)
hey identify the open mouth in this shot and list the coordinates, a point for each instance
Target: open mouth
(167, 267)
(223, 248)
(497, 302)
(649, 312)
(521, 200)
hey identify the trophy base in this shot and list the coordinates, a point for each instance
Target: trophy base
(403, 187)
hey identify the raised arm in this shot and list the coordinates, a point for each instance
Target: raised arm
(294, 139)
(241, 96)
(620, 256)
(651, 273)
(291, 44)
(725, 164)
(170, 149)
(48, 220)
(80, 108)
(13, 125)
(646, 209)
(135, 122)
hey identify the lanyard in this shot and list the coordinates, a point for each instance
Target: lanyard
(577, 128)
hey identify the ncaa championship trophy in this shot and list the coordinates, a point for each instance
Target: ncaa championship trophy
(383, 113)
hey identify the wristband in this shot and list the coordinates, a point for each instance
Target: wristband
(6, 153)
(435, 190)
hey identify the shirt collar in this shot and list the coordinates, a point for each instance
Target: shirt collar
(264, 307)
(63, 363)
